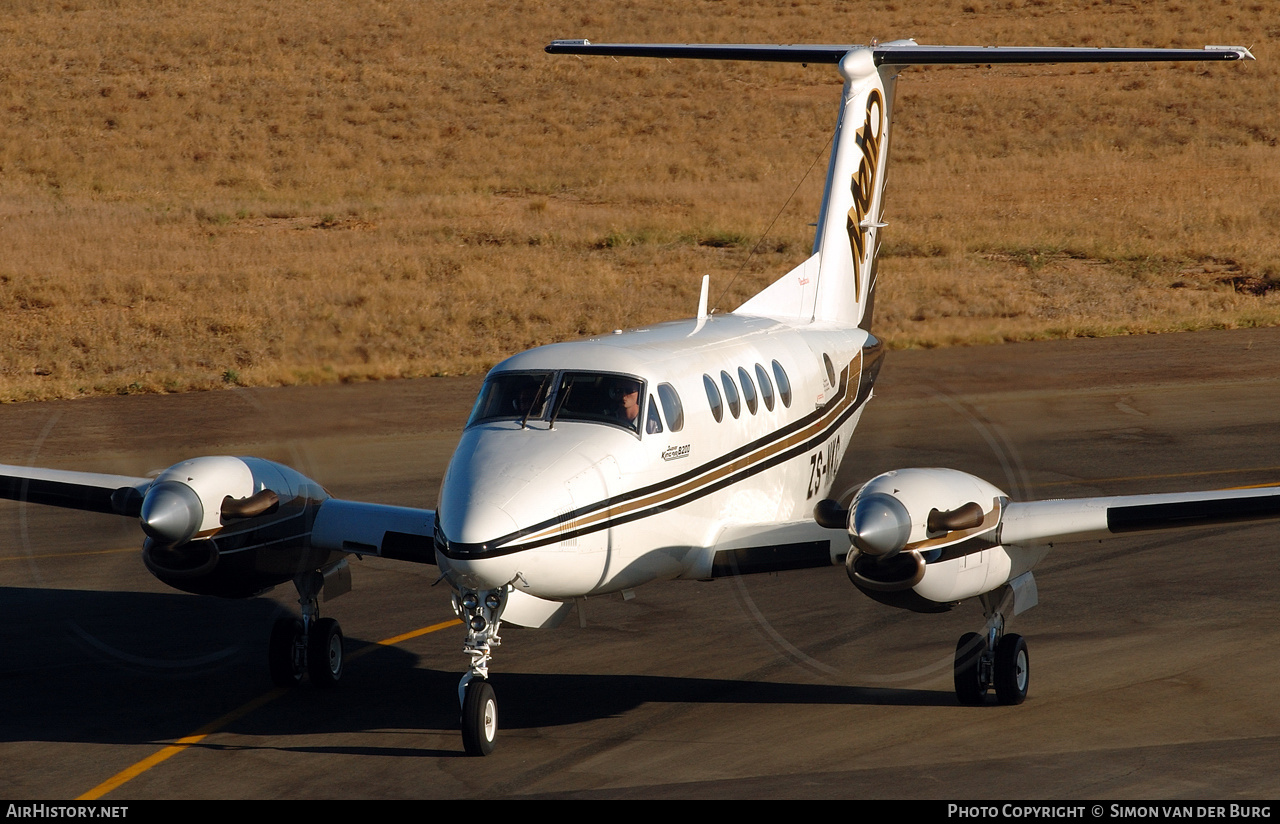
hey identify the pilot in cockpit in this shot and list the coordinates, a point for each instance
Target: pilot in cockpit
(522, 404)
(625, 397)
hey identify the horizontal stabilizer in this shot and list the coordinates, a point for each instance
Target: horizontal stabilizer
(895, 53)
(909, 54)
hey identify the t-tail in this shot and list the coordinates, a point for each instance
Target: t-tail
(837, 284)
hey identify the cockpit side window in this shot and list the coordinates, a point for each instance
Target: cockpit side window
(652, 423)
(512, 395)
(671, 406)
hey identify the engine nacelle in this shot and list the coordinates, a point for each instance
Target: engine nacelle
(926, 538)
(185, 500)
(230, 526)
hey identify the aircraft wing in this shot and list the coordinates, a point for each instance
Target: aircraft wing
(742, 549)
(90, 491)
(948, 513)
(398, 532)
(1086, 519)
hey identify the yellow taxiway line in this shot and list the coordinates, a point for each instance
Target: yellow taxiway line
(43, 555)
(199, 735)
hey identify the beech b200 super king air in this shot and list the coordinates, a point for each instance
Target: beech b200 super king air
(695, 449)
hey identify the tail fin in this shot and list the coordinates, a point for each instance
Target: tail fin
(837, 283)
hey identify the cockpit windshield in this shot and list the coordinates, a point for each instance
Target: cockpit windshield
(591, 396)
(513, 395)
(594, 397)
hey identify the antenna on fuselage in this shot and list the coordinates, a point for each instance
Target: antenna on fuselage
(702, 306)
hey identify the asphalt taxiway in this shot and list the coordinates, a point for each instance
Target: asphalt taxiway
(1155, 660)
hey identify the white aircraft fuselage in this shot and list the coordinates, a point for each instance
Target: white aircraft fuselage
(590, 506)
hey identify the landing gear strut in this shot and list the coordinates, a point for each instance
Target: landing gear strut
(310, 644)
(997, 660)
(480, 611)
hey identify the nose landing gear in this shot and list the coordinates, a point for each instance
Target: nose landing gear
(480, 611)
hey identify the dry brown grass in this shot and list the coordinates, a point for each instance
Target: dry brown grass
(287, 191)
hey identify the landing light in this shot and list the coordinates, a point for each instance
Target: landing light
(491, 600)
(477, 624)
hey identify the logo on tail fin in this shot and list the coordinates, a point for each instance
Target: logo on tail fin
(864, 180)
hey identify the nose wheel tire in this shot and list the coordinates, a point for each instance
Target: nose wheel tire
(479, 718)
(324, 653)
(970, 687)
(283, 657)
(1012, 670)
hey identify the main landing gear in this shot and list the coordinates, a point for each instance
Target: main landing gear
(996, 660)
(308, 645)
(480, 612)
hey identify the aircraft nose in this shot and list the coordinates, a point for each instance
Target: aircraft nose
(171, 513)
(476, 526)
(473, 558)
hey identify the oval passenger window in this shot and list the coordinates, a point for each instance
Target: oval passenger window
(713, 397)
(748, 389)
(730, 393)
(766, 387)
(784, 385)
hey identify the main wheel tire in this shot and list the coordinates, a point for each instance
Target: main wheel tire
(970, 688)
(479, 718)
(1013, 670)
(283, 663)
(324, 653)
